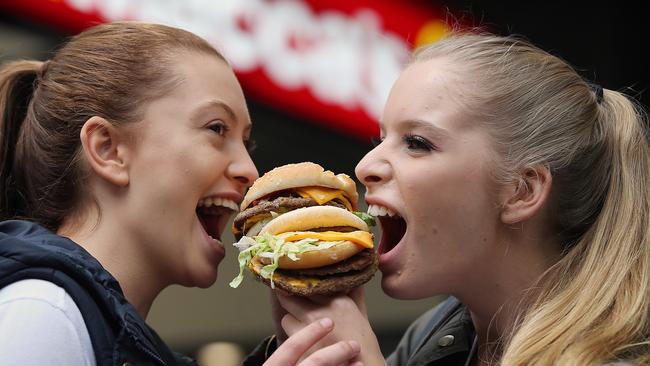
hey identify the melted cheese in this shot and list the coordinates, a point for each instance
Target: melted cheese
(323, 195)
(362, 238)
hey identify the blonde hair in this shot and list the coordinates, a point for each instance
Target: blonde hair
(592, 306)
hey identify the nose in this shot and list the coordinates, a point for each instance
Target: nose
(374, 168)
(242, 169)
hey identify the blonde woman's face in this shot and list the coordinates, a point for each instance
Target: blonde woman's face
(432, 171)
(189, 169)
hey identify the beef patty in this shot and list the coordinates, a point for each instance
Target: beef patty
(308, 283)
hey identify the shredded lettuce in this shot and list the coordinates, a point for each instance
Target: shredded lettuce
(273, 247)
(369, 220)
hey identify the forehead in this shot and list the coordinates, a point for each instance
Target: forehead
(205, 88)
(205, 76)
(430, 91)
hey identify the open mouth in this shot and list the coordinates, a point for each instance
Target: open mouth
(214, 213)
(393, 227)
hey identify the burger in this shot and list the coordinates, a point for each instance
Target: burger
(298, 231)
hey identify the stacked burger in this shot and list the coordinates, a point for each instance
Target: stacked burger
(298, 231)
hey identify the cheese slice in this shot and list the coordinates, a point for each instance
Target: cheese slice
(362, 238)
(323, 195)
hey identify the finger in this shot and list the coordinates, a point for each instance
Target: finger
(295, 305)
(291, 325)
(294, 347)
(277, 312)
(276, 307)
(336, 354)
(322, 299)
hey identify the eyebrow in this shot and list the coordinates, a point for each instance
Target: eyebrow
(420, 124)
(214, 104)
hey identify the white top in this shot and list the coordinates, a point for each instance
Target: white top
(41, 325)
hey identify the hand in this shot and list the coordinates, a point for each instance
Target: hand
(351, 320)
(340, 353)
(277, 312)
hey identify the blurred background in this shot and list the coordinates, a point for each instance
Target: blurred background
(316, 74)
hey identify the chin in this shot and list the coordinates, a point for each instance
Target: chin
(394, 286)
(202, 279)
(391, 286)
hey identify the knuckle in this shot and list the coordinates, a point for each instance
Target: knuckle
(317, 359)
(285, 319)
(344, 347)
(341, 302)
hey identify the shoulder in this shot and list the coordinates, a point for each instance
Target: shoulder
(34, 290)
(39, 321)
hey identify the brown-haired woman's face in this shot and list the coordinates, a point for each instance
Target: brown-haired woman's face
(432, 170)
(189, 170)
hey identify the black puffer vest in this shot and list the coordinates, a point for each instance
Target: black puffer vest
(118, 334)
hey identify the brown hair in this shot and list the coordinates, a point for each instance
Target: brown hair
(109, 71)
(593, 305)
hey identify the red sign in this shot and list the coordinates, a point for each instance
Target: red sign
(332, 62)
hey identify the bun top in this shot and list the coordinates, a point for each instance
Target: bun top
(300, 175)
(313, 217)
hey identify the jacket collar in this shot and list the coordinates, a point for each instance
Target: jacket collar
(25, 244)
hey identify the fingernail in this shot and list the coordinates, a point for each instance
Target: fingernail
(358, 364)
(355, 346)
(327, 323)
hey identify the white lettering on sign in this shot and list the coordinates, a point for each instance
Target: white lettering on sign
(341, 59)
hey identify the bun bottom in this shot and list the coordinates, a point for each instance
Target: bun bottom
(309, 285)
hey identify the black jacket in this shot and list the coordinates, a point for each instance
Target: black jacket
(117, 332)
(442, 336)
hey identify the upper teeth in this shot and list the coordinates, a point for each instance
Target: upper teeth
(376, 210)
(216, 201)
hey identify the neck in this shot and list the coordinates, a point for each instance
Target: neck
(118, 254)
(503, 291)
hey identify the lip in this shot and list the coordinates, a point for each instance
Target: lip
(233, 196)
(215, 248)
(388, 260)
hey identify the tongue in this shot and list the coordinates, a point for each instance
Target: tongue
(392, 231)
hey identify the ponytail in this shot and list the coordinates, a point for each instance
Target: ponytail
(17, 83)
(594, 306)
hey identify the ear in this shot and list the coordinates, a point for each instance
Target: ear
(104, 150)
(525, 198)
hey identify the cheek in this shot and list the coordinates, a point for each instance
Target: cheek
(448, 210)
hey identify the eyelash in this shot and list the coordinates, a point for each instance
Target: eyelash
(222, 128)
(415, 142)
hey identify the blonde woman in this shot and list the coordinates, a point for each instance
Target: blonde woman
(506, 180)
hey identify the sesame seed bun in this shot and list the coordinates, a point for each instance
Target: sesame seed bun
(303, 174)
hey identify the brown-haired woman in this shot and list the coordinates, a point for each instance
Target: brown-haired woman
(124, 157)
(506, 180)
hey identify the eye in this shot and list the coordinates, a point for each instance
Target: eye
(418, 143)
(219, 127)
(250, 145)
